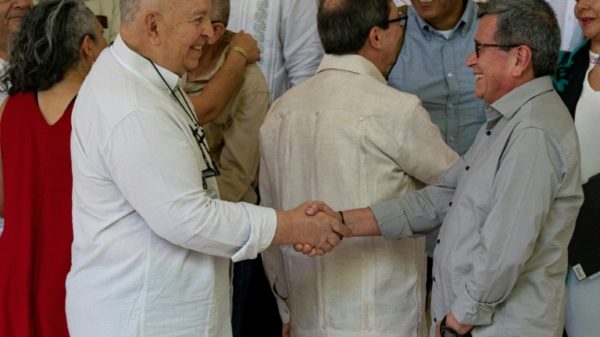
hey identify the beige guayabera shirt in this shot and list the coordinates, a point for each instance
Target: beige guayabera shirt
(345, 137)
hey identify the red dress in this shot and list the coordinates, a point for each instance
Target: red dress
(35, 248)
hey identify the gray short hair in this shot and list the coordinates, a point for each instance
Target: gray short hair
(220, 11)
(128, 9)
(47, 45)
(529, 22)
(344, 25)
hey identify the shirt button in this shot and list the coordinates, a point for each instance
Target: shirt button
(450, 204)
(450, 106)
(488, 133)
(433, 279)
(438, 241)
(435, 320)
(450, 74)
(467, 168)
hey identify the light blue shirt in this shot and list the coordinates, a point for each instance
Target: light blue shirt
(433, 68)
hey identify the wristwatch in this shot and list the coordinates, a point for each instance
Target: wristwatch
(446, 331)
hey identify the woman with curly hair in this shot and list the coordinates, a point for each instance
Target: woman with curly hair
(50, 57)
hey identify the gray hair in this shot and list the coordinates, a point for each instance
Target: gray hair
(344, 25)
(529, 22)
(47, 45)
(220, 11)
(128, 9)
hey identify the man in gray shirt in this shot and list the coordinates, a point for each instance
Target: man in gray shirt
(509, 205)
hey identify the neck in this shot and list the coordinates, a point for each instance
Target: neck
(70, 84)
(449, 21)
(4, 51)
(595, 44)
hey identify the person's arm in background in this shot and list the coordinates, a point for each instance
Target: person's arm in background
(239, 157)
(302, 49)
(227, 81)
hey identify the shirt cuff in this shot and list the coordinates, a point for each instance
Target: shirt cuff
(391, 219)
(263, 222)
(468, 311)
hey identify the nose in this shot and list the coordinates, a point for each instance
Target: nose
(471, 59)
(582, 4)
(207, 31)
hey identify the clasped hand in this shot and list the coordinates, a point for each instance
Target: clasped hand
(328, 229)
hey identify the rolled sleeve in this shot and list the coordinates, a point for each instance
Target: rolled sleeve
(262, 230)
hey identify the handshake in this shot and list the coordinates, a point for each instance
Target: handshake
(312, 227)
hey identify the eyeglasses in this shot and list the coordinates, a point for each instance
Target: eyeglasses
(402, 17)
(211, 169)
(505, 47)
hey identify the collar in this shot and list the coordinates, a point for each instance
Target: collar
(463, 26)
(509, 104)
(3, 63)
(352, 63)
(141, 67)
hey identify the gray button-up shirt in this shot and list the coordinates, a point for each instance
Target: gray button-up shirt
(442, 81)
(508, 209)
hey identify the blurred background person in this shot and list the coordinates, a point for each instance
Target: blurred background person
(11, 13)
(286, 31)
(49, 58)
(233, 141)
(578, 82)
(109, 15)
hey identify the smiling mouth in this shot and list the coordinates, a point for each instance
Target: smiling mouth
(197, 47)
(478, 76)
(425, 1)
(586, 21)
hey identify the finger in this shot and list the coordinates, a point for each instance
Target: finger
(326, 247)
(307, 249)
(319, 252)
(313, 252)
(333, 239)
(298, 247)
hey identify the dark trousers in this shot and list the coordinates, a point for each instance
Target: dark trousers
(254, 308)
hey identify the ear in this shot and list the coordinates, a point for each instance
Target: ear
(523, 60)
(87, 49)
(151, 26)
(219, 29)
(375, 39)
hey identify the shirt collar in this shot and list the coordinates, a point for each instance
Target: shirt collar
(352, 63)
(510, 103)
(463, 26)
(141, 67)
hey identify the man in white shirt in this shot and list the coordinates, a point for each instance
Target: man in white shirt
(345, 137)
(286, 31)
(152, 245)
(11, 13)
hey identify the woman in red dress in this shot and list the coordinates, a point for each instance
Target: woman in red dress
(49, 59)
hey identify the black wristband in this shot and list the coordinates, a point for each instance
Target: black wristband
(342, 216)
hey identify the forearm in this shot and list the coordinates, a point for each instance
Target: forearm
(361, 222)
(220, 89)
